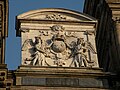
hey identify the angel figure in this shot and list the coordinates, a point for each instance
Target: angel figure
(78, 53)
(79, 56)
(38, 51)
(39, 55)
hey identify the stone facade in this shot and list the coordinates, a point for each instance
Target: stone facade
(64, 49)
(58, 50)
(62, 41)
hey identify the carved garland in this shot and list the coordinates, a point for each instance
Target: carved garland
(55, 17)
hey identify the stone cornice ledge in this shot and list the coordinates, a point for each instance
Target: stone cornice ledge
(60, 71)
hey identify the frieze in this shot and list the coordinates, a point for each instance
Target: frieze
(60, 48)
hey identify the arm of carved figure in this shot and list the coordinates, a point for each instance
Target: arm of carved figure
(73, 52)
(40, 50)
(84, 49)
(68, 46)
(53, 53)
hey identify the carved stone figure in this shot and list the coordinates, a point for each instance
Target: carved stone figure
(79, 53)
(39, 55)
(57, 47)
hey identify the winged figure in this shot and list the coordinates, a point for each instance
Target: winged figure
(90, 47)
(28, 44)
(37, 50)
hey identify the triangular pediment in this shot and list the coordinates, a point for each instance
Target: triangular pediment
(56, 14)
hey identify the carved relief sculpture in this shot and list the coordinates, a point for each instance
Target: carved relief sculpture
(59, 48)
(55, 17)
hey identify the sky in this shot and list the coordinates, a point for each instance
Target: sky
(16, 7)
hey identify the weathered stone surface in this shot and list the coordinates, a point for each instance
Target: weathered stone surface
(58, 50)
(73, 82)
(61, 77)
(65, 40)
(53, 88)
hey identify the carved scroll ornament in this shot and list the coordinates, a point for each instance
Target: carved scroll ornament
(55, 17)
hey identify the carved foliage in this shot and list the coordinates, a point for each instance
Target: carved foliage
(55, 17)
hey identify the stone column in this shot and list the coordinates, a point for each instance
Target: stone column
(3, 28)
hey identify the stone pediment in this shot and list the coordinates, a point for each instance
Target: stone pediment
(57, 38)
(56, 15)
